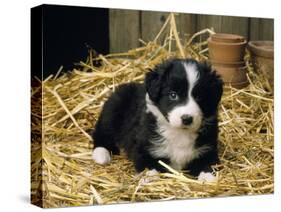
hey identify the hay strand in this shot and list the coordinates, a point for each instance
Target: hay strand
(54, 92)
(63, 172)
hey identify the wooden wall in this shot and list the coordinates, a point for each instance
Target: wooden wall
(127, 26)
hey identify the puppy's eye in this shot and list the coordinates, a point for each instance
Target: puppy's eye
(173, 96)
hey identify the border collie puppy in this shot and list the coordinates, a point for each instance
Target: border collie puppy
(171, 117)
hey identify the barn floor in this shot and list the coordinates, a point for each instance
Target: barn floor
(63, 173)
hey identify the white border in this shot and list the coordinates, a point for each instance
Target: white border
(15, 112)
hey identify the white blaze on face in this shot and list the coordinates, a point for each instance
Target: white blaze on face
(191, 107)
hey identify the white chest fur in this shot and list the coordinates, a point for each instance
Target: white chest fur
(178, 145)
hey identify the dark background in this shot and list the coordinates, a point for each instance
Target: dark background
(64, 35)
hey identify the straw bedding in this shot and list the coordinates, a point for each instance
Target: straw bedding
(62, 171)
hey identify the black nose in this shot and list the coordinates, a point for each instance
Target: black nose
(186, 119)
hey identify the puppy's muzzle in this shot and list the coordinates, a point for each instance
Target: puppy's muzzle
(186, 120)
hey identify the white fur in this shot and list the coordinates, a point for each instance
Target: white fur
(206, 177)
(152, 172)
(150, 176)
(191, 107)
(176, 144)
(151, 107)
(101, 155)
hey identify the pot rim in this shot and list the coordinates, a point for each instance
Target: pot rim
(223, 63)
(235, 85)
(246, 82)
(230, 68)
(258, 49)
(225, 43)
(227, 38)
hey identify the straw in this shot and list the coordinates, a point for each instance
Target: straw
(63, 172)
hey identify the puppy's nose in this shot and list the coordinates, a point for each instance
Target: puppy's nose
(186, 119)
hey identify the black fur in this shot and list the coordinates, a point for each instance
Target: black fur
(125, 123)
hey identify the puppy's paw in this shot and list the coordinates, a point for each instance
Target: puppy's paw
(150, 176)
(144, 181)
(101, 155)
(206, 177)
(151, 173)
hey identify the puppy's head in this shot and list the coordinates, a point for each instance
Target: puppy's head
(182, 92)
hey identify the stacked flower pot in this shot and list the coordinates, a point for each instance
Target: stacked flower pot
(262, 57)
(226, 53)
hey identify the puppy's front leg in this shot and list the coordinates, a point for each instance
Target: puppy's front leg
(207, 176)
(142, 160)
(201, 167)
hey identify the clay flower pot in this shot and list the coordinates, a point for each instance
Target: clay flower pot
(228, 64)
(227, 38)
(262, 56)
(232, 74)
(226, 51)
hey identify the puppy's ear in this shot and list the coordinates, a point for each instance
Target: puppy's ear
(216, 87)
(215, 81)
(155, 78)
(213, 85)
(152, 84)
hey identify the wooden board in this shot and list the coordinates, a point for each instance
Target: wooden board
(124, 29)
(224, 24)
(209, 21)
(235, 25)
(261, 29)
(186, 24)
(127, 26)
(151, 23)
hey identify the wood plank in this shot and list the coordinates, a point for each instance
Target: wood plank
(209, 21)
(127, 26)
(235, 25)
(261, 29)
(124, 30)
(223, 24)
(186, 25)
(151, 23)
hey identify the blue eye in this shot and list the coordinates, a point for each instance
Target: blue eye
(173, 96)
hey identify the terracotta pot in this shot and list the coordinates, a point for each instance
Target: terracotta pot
(238, 85)
(226, 52)
(235, 76)
(228, 64)
(262, 48)
(227, 38)
(262, 56)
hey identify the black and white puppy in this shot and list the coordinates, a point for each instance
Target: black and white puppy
(171, 117)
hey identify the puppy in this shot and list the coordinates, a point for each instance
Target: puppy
(171, 117)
